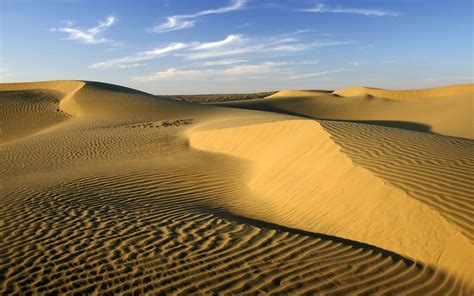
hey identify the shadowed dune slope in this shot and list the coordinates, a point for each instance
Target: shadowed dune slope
(39, 110)
(436, 170)
(111, 195)
(449, 111)
(28, 108)
(444, 91)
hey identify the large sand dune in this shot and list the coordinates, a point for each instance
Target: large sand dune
(109, 189)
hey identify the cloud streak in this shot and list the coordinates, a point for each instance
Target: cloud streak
(231, 48)
(287, 43)
(315, 74)
(203, 74)
(221, 63)
(322, 8)
(124, 62)
(133, 61)
(87, 36)
(216, 44)
(186, 21)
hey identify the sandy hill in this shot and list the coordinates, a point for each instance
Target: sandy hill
(297, 93)
(107, 189)
(447, 112)
(451, 90)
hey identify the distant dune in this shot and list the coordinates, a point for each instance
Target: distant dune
(106, 189)
(451, 90)
(445, 110)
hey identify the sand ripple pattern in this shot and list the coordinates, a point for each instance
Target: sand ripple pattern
(28, 111)
(95, 206)
(155, 235)
(437, 170)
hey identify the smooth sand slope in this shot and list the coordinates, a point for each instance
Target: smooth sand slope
(108, 189)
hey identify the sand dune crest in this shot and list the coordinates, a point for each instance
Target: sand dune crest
(297, 163)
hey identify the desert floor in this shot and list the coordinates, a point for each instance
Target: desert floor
(106, 189)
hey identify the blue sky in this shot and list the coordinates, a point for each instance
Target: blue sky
(225, 46)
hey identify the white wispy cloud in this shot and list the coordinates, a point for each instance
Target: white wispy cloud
(221, 62)
(209, 45)
(232, 47)
(323, 8)
(244, 46)
(194, 46)
(164, 50)
(248, 69)
(305, 62)
(290, 47)
(134, 61)
(186, 21)
(172, 73)
(223, 73)
(88, 36)
(315, 74)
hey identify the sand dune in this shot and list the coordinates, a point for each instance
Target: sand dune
(448, 113)
(297, 163)
(27, 108)
(444, 91)
(121, 191)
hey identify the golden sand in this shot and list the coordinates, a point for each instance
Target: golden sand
(106, 189)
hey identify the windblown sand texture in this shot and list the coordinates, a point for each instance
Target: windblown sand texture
(106, 189)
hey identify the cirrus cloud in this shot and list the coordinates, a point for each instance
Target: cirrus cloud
(232, 46)
(322, 8)
(186, 21)
(88, 36)
(133, 61)
(202, 74)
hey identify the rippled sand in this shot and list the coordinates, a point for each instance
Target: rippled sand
(106, 189)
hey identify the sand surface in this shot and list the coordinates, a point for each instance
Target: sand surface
(106, 189)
